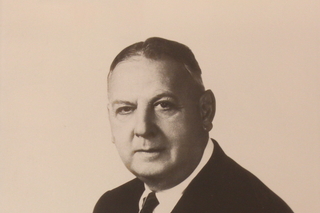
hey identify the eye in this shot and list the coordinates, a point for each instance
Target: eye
(164, 105)
(125, 110)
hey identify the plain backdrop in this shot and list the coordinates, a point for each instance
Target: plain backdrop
(260, 58)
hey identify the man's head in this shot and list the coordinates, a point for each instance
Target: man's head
(159, 112)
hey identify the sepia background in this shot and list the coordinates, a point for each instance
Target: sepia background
(260, 58)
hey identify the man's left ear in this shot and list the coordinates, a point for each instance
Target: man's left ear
(207, 109)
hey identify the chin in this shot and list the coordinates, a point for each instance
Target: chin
(149, 172)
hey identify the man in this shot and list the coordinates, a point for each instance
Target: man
(160, 116)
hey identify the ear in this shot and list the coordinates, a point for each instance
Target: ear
(109, 107)
(207, 109)
(109, 110)
(112, 139)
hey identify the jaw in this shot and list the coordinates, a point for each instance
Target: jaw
(160, 176)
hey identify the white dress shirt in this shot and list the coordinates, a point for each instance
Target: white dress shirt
(170, 197)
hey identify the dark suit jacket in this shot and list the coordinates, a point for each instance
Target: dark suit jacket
(221, 186)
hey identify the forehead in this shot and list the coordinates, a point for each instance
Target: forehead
(139, 73)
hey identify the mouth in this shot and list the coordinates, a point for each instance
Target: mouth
(151, 150)
(149, 154)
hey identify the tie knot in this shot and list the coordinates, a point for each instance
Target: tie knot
(149, 203)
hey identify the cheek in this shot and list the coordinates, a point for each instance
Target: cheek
(124, 153)
(182, 127)
(122, 138)
(174, 128)
(121, 130)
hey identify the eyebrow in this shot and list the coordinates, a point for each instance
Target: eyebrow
(153, 99)
(164, 94)
(121, 102)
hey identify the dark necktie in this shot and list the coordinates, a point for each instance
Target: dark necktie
(150, 203)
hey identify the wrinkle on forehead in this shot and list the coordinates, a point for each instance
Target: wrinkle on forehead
(169, 73)
(140, 57)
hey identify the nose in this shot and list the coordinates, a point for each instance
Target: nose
(144, 126)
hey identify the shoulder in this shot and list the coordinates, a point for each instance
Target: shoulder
(124, 196)
(252, 191)
(231, 187)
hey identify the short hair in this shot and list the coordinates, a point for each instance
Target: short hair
(158, 48)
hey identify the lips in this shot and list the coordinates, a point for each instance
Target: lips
(150, 150)
(149, 155)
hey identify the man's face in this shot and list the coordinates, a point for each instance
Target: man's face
(155, 119)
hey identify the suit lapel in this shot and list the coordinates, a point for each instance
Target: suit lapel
(132, 198)
(200, 195)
